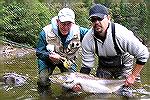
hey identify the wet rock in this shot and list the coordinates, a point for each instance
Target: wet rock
(14, 79)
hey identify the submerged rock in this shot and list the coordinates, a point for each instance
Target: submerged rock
(14, 79)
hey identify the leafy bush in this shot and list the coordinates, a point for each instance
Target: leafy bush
(23, 21)
(132, 16)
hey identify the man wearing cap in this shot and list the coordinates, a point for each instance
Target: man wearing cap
(58, 41)
(115, 46)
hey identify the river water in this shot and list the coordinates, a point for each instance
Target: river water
(27, 66)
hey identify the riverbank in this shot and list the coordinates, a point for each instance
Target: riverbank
(8, 50)
(12, 49)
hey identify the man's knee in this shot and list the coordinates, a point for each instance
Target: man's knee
(44, 77)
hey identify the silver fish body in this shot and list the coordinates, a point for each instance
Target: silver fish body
(88, 83)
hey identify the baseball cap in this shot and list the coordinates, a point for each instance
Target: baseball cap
(66, 14)
(98, 10)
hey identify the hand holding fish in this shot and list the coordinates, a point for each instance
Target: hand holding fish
(77, 88)
(130, 80)
(54, 57)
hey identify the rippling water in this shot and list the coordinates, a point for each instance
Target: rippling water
(27, 66)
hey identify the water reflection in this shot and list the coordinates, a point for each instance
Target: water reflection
(84, 96)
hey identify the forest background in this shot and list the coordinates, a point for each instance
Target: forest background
(22, 20)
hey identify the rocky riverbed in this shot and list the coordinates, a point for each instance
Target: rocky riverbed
(10, 51)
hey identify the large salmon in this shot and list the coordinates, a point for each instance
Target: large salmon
(88, 83)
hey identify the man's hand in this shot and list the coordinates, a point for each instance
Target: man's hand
(77, 88)
(135, 72)
(130, 80)
(54, 57)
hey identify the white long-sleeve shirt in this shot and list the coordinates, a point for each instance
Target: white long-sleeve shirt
(126, 42)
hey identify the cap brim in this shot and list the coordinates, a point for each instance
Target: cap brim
(97, 15)
(65, 19)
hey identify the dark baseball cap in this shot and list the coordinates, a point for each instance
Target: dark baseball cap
(98, 10)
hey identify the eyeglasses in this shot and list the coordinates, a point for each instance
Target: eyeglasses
(95, 19)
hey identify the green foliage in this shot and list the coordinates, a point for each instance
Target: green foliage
(87, 3)
(104, 2)
(132, 16)
(23, 21)
(82, 14)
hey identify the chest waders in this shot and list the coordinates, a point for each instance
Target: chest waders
(109, 66)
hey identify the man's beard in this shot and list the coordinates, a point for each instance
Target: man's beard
(97, 33)
(100, 35)
(97, 30)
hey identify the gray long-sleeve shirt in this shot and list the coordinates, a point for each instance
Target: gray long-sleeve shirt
(125, 39)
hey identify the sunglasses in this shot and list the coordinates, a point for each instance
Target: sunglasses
(96, 18)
